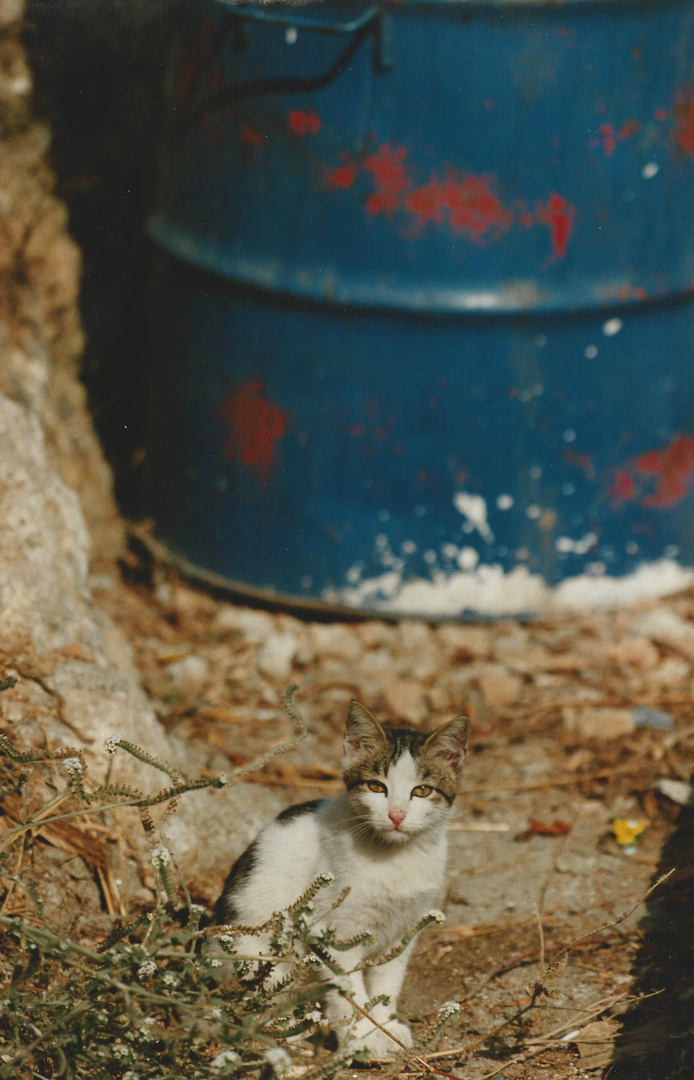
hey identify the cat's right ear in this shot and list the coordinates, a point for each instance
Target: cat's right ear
(363, 733)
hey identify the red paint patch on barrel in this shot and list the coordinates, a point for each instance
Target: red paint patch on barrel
(673, 468)
(559, 215)
(683, 132)
(341, 177)
(389, 173)
(473, 206)
(428, 202)
(608, 139)
(623, 487)
(304, 123)
(467, 203)
(254, 425)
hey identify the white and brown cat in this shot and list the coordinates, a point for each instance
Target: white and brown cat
(385, 838)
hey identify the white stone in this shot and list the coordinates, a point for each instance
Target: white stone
(189, 673)
(598, 723)
(254, 626)
(337, 640)
(666, 627)
(276, 656)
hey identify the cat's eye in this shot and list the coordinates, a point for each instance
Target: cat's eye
(421, 791)
(376, 785)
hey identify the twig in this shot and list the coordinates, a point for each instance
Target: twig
(288, 744)
(416, 1057)
(625, 914)
(294, 781)
(554, 963)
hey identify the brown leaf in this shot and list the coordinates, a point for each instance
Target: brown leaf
(548, 828)
(596, 1041)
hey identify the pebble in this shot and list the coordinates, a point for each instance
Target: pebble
(465, 641)
(375, 634)
(637, 652)
(335, 640)
(514, 641)
(678, 791)
(254, 626)
(597, 723)
(189, 673)
(415, 636)
(672, 673)
(667, 628)
(405, 699)
(498, 686)
(645, 716)
(276, 656)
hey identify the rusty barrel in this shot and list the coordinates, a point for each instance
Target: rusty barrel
(425, 333)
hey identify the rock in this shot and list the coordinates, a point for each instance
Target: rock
(254, 626)
(413, 635)
(598, 723)
(210, 829)
(667, 628)
(464, 642)
(48, 616)
(336, 640)
(276, 656)
(43, 542)
(673, 672)
(375, 634)
(49, 625)
(189, 674)
(418, 654)
(377, 661)
(498, 686)
(405, 699)
(645, 716)
(513, 641)
(679, 791)
(41, 337)
(637, 652)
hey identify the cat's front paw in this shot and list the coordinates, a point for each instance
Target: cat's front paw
(400, 1031)
(378, 1044)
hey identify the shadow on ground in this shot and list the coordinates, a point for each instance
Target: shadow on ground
(657, 1036)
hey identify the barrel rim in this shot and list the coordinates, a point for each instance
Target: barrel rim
(324, 287)
(309, 6)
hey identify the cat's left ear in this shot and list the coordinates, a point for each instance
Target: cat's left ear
(363, 733)
(449, 742)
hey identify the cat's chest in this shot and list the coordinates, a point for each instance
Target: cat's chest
(389, 894)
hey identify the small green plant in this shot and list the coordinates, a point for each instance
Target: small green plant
(155, 999)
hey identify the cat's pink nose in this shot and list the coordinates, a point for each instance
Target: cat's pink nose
(397, 817)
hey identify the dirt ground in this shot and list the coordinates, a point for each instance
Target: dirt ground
(575, 723)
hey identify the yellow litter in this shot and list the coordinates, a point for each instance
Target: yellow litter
(627, 831)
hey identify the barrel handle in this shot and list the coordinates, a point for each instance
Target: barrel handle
(372, 21)
(254, 14)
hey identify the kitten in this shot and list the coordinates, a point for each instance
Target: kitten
(385, 838)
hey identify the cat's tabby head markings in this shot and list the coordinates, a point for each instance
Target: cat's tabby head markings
(401, 783)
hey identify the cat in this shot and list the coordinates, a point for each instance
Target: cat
(385, 838)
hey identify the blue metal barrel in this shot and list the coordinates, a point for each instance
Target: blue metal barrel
(426, 329)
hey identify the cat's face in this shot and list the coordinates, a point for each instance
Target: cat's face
(401, 783)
